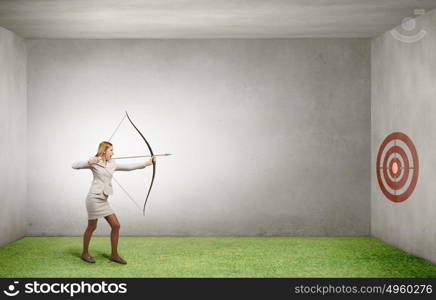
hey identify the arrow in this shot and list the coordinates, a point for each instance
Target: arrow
(165, 154)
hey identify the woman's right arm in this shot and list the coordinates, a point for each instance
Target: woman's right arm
(81, 165)
(84, 164)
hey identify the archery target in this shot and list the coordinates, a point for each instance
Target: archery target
(397, 167)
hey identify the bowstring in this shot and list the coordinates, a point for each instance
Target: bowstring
(113, 177)
(116, 129)
(127, 193)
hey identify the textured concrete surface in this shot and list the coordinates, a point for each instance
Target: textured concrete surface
(13, 123)
(403, 99)
(205, 18)
(270, 137)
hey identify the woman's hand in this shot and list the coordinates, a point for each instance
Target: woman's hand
(151, 161)
(93, 160)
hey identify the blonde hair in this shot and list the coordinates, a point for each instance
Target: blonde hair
(102, 148)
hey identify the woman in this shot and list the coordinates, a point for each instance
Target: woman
(103, 167)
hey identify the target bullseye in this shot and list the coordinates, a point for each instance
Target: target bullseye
(394, 168)
(397, 167)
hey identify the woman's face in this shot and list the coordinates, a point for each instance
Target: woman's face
(109, 153)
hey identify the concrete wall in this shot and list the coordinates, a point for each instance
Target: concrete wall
(404, 99)
(13, 127)
(271, 137)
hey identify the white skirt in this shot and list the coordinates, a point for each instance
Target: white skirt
(98, 206)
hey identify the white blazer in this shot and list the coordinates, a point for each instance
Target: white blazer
(103, 173)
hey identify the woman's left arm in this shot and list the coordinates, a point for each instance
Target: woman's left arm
(131, 166)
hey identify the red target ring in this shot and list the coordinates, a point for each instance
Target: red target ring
(396, 185)
(398, 170)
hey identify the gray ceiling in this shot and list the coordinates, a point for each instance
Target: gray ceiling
(205, 18)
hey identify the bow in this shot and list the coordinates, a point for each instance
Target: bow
(153, 161)
(151, 154)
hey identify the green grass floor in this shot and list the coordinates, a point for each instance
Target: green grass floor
(212, 257)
